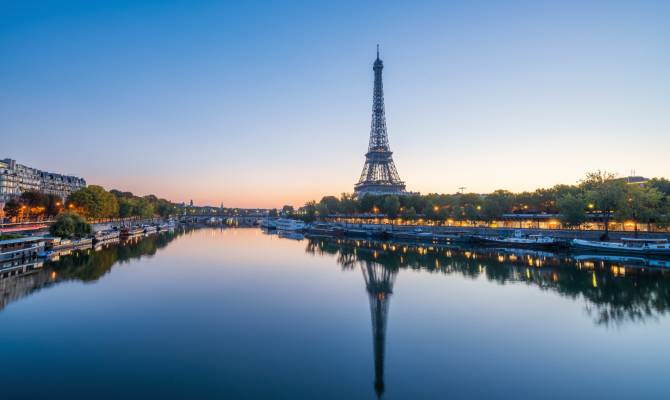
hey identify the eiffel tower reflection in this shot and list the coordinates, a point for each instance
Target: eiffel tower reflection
(379, 285)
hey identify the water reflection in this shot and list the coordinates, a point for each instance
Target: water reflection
(18, 279)
(616, 290)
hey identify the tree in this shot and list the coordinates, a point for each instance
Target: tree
(496, 204)
(12, 208)
(287, 210)
(660, 184)
(348, 203)
(70, 224)
(409, 213)
(640, 205)
(310, 210)
(94, 202)
(391, 206)
(52, 205)
(470, 213)
(330, 204)
(606, 193)
(572, 210)
(368, 203)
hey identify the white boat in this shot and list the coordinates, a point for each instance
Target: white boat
(521, 240)
(268, 223)
(286, 224)
(626, 246)
(28, 247)
(149, 228)
(127, 231)
(103, 236)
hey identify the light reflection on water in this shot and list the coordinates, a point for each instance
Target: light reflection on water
(241, 314)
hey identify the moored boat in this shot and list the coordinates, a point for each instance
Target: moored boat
(324, 229)
(21, 248)
(521, 240)
(658, 246)
(149, 228)
(103, 236)
(127, 231)
(268, 223)
(286, 224)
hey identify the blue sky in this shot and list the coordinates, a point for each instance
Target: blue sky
(265, 103)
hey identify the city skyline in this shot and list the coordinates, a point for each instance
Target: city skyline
(260, 106)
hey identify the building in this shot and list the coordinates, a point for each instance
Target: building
(640, 181)
(379, 174)
(17, 178)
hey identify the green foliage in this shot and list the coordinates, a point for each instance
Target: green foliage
(330, 204)
(391, 206)
(606, 192)
(608, 197)
(572, 210)
(70, 224)
(409, 213)
(496, 204)
(287, 210)
(94, 202)
(641, 204)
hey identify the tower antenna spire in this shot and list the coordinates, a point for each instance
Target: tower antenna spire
(377, 51)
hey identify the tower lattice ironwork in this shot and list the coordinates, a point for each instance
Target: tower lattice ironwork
(379, 285)
(379, 174)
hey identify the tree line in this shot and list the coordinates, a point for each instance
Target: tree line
(599, 195)
(92, 202)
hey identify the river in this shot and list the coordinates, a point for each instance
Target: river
(238, 313)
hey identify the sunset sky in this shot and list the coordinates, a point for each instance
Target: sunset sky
(261, 104)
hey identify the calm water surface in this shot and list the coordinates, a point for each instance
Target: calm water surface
(237, 313)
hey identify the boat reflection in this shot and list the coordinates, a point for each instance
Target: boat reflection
(616, 290)
(18, 280)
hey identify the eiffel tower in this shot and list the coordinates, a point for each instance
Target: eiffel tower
(379, 174)
(379, 285)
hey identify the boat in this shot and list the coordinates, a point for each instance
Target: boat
(82, 243)
(268, 223)
(21, 248)
(657, 246)
(46, 254)
(127, 231)
(103, 236)
(324, 229)
(149, 228)
(521, 240)
(164, 227)
(286, 224)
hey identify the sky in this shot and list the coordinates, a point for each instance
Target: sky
(260, 104)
